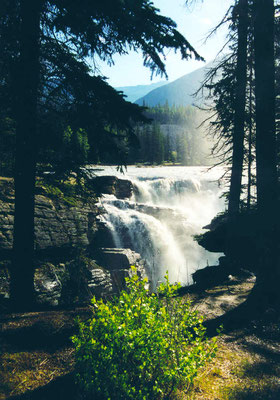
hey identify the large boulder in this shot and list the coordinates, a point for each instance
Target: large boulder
(74, 282)
(100, 282)
(210, 276)
(77, 281)
(240, 239)
(112, 258)
(47, 285)
(119, 262)
(121, 188)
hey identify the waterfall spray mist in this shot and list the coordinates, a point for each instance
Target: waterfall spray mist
(169, 205)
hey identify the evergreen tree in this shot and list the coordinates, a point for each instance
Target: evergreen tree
(239, 109)
(262, 240)
(174, 156)
(7, 145)
(167, 147)
(266, 290)
(267, 185)
(182, 149)
(231, 92)
(27, 79)
(71, 31)
(157, 144)
(277, 88)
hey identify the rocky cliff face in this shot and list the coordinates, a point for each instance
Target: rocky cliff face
(66, 245)
(58, 226)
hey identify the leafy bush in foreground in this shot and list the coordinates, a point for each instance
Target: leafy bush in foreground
(140, 345)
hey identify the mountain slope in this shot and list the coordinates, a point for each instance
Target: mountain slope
(135, 92)
(178, 92)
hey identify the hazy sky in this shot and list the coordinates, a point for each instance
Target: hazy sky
(194, 22)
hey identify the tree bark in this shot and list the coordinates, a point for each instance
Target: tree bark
(239, 117)
(265, 293)
(250, 135)
(266, 235)
(22, 271)
(265, 106)
(267, 287)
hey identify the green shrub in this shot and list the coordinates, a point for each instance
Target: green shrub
(140, 345)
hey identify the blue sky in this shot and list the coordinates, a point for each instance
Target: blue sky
(194, 22)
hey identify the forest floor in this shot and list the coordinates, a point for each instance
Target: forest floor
(247, 365)
(37, 357)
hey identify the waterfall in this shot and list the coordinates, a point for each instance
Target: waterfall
(169, 205)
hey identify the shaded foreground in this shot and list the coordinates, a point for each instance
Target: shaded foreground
(37, 358)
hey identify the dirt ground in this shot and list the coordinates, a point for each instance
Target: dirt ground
(247, 366)
(37, 357)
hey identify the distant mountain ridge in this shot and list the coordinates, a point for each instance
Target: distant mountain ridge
(133, 93)
(179, 92)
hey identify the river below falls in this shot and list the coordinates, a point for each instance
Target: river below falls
(168, 207)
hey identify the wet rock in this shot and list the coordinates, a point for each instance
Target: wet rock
(65, 284)
(121, 188)
(78, 280)
(65, 241)
(113, 259)
(103, 235)
(47, 285)
(118, 262)
(100, 282)
(124, 189)
(83, 280)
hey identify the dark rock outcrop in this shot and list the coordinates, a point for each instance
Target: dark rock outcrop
(58, 225)
(76, 281)
(116, 259)
(210, 276)
(66, 242)
(119, 261)
(64, 284)
(121, 188)
(48, 286)
(240, 240)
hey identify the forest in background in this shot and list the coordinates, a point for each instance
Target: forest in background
(173, 135)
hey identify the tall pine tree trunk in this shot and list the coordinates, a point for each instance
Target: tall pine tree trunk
(265, 106)
(22, 271)
(250, 135)
(268, 276)
(239, 117)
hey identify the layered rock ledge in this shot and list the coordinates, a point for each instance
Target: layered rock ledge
(66, 248)
(58, 225)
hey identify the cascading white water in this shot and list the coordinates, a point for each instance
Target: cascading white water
(168, 207)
